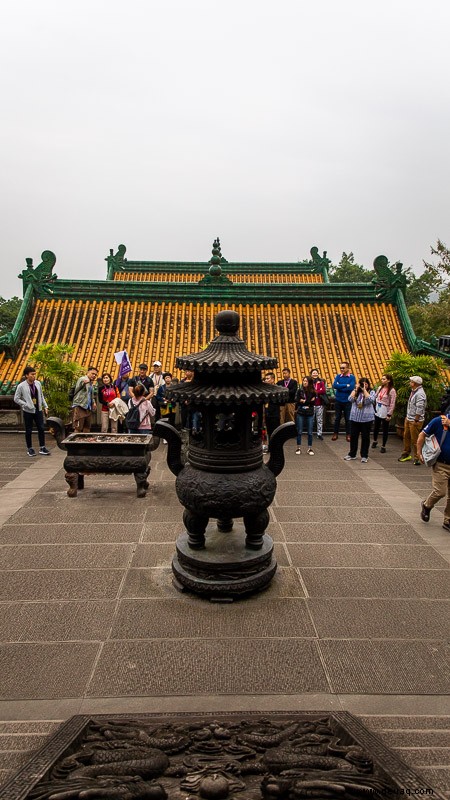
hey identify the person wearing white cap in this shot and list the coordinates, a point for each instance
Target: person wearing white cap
(415, 416)
(157, 377)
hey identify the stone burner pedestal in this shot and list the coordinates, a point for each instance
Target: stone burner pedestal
(224, 485)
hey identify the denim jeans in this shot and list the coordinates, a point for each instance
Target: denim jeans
(304, 423)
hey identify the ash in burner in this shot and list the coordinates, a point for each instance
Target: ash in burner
(104, 438)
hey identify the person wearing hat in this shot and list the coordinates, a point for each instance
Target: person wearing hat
(157, 377)
(415, 416)
(143, 378)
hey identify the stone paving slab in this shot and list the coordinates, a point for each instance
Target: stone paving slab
(328, 514)
(340, 532)
(83, 620)
(303, 485)
(185, 618)
(423, 738)
(46, 670)
(322, 474)
(336, 500)
(331, 582)
(420, 757)
(365, 556)
(236, 666)
(76, 508)
(386, 667)
(357, 618)
(60, 584)
(399, 722)
(41, 727)
(71, 533)
(72, 556)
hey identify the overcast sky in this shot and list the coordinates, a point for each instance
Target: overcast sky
(274, 125)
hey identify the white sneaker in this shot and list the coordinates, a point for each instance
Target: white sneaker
(310, 451)
(349, 458)
(364, 460)
(298, 451)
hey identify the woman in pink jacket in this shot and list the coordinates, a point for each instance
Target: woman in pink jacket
(146, 409)
(384, 408)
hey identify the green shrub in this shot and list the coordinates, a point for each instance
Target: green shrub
(432, 370)
(58, 373)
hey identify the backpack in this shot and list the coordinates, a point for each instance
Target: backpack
(133, 417)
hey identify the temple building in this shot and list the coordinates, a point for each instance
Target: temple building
(158, 310)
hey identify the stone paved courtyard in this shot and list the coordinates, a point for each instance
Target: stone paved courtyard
(356, 618)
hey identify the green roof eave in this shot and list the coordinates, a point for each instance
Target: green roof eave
(154, 291)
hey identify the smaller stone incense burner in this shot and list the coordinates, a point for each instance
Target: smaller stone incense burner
(110, 453)
(225, 478)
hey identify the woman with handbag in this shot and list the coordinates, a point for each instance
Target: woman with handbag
(304, 413)
(385, 399)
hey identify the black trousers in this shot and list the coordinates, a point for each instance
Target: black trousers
(357, 428)
(384, 425)
(38, 419)
(339, 408)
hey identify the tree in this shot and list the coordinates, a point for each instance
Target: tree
(432, 319)
(442, 268)
(348, 271)
(8, 313)
(58, 373)
(432, 370)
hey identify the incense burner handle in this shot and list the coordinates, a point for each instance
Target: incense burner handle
(164, 430)
(277, 440)
(58, 430)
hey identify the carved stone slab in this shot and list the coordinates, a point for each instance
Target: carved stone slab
(190, 756)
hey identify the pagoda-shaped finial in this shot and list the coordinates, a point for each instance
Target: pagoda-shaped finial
(215, 268)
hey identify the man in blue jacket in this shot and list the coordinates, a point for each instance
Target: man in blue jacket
(343, 385)
(440, 475)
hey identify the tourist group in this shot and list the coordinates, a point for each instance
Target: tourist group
(135, 402)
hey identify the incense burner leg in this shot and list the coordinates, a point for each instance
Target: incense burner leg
(255, 526)
(196, 526)
(225, 524)
(142, 483)
(72, 480)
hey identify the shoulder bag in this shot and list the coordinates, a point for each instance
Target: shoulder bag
(431, 449)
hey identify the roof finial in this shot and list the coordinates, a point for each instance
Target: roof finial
(215, 268)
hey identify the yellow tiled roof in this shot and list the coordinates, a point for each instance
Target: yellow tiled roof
(299, 336)
(194, 277)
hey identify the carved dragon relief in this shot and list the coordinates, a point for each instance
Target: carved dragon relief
(209, 759)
